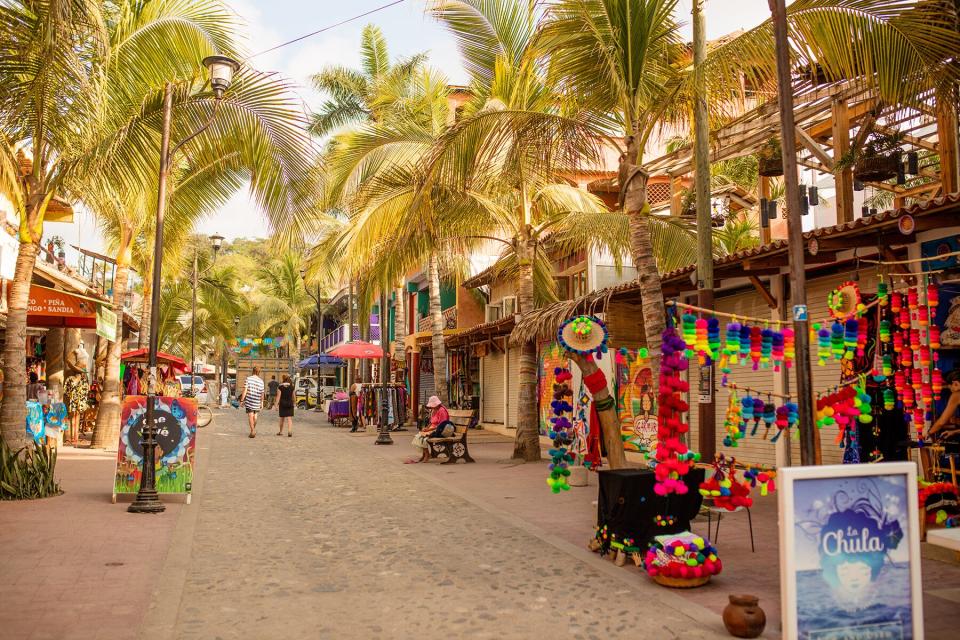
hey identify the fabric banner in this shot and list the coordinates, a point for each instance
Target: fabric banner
(551, 357)
(176, 421)
(636, 401)
(106, 323)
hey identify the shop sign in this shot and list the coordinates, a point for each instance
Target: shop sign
(50, 302)
(705, 386)
(106, 323)
(850, 552)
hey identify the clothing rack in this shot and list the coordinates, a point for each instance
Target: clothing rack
(370, 403)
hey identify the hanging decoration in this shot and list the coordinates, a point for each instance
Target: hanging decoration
(724, 488)
(741, 411)
(586, 335)
(940, 504)
(762, 477)
(561, 432)
(671, 460)
(845, 301)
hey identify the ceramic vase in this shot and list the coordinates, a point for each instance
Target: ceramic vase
(743, 617)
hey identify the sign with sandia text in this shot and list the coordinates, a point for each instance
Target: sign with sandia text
(850, 552)
(106, 323)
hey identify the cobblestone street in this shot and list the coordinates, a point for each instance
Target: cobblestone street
(324, 535)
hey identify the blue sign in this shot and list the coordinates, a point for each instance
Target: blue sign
(850, 565)
(799, 313)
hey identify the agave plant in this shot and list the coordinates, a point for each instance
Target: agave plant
(28, 473)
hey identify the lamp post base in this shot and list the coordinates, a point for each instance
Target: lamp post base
(147, 502)
(383, 438)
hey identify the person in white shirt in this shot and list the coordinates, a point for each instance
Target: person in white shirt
(252, 399)
(224, 395)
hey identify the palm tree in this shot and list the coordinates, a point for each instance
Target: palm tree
(281, 304)
(106, 63)
(360, 96)
(517, 137)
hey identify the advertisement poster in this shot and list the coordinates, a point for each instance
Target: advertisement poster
(551, 357)
(176, 420)
(636, 402)
(850, 552)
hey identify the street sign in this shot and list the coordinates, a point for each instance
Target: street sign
(106, 323)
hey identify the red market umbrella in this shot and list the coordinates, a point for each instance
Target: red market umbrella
(357, 350)
(140, 355)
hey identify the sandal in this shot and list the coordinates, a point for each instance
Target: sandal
(252, 435)
(289, 435)
(411, 461)
(280, 433)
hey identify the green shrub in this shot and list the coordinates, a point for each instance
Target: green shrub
(28, 473)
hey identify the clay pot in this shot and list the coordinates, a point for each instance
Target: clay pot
(743, 618)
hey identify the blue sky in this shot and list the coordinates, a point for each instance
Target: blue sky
(408, 31)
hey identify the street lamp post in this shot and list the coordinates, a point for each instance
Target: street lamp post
(317, 299)
(216, 241)
(221, 70)
(383, 435)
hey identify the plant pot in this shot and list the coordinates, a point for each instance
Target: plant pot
(743, 617)
(770, 166)
(876, 168)
(579, 477)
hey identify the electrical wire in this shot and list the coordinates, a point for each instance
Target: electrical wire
(327, 28)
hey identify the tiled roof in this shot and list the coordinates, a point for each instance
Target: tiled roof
(500, 327)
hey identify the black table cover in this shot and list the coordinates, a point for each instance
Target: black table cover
(627, 505)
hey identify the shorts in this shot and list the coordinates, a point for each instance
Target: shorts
(254, 411)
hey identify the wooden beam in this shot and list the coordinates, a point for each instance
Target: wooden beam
(814, 147)
(914, 140)
(841, 144)
(763, 291)
(866, 127)
(824, 128)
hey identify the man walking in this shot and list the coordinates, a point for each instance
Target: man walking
(252, 399)
(272, 387)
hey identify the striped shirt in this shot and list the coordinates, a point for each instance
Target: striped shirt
(253, 393)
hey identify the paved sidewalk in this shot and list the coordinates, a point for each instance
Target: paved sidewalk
(325, 536)
(77, 566)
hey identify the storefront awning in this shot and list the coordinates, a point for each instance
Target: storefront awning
(54, 308)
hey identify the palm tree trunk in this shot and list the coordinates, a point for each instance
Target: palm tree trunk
(526, 446)
(143, 336)
(633, 187)
(13, 413)
(436, 326)
(107, 430)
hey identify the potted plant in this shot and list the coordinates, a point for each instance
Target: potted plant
(770, 159)
(688, 201)
(880, 159)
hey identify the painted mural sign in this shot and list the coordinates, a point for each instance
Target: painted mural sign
(850, 552)
(636, 401)
(176, 420)
(552, 356)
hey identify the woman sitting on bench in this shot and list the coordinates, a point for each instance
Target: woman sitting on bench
(438, 427)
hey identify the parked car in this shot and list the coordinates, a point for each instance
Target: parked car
(309, 384)
(196, 388)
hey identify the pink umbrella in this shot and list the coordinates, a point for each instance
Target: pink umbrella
(357, 350)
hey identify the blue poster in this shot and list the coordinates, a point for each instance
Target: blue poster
(852, 555)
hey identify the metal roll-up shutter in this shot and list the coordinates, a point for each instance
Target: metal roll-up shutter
(513, 388)
(493, 388)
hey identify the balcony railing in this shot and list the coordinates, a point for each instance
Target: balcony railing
(339, 335)
(449, 320)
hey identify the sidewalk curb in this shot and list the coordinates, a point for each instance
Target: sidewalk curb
(706, 620)
(160, 621)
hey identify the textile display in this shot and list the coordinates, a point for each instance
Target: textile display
(552, 357)
(370, 400)
(338, 409)
(627, 507)
(636, 401)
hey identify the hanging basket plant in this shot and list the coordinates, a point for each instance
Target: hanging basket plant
(770, 159)
(880, 159)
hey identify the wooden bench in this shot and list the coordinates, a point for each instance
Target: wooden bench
(455, 447)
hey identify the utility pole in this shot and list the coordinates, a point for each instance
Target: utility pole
(701, 151)
(798, 276)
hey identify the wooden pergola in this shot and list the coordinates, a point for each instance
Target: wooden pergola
(831, 119)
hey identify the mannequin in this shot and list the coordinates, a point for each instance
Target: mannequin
(76, 390)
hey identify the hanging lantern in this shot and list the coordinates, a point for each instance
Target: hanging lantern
(933, 295)
(889, 399)
(936, 383)
(934, 336)
(766, 346)
(823, 344)
(896, 302)
(836, 340)
(884, 331)
(883, 296)
(913, 298)
(923, 315)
